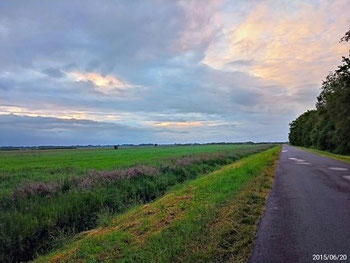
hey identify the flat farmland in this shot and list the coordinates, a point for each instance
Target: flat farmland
(102, 158)
(19, 166)
(49, 196)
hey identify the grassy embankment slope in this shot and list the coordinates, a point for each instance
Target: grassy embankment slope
(339, 157)
(41, 204)
(211, 218)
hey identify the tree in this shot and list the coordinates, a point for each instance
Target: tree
(328, 127)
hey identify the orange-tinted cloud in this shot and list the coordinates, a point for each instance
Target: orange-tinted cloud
(291, 45)
(105, 84)
(60, 113)
(188, 124)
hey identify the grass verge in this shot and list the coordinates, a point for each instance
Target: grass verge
(339, 157)
(211, 218)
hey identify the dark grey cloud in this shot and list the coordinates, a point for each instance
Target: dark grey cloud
(53, 72)
(34, 131)
(24, 130)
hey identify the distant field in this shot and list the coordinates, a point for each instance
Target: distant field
(48, 196)
(100, 158)
(45, 165)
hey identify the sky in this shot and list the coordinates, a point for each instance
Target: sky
(162, 71)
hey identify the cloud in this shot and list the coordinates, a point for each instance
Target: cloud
(202, 24)
(53, 72)
(178, 124)
(107, 84)
(168, 71)
(283, 42)
(23, 130)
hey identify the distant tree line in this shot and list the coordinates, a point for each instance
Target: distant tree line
(118, 146)
(327, 127)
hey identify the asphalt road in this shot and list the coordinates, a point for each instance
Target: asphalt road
(307, 217)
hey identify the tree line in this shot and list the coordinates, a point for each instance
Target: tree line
(328, 126)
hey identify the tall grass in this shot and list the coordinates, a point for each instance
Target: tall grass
(37, 214)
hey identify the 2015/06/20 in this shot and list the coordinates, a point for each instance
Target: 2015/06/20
(335, 257)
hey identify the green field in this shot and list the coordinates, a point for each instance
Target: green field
(17, 167)
(101, 158)
(209, 219)
(49, 196)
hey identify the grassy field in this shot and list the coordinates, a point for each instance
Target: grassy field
(43, 204)
(101, 158)
(339, 157)
(17, 167)
(209, 219)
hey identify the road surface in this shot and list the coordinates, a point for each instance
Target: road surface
(307, 217)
